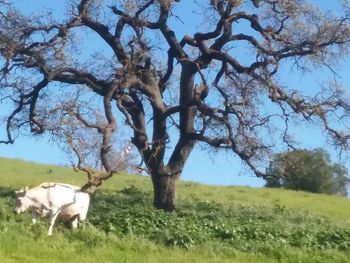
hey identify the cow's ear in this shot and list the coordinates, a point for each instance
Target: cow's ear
(26, 189)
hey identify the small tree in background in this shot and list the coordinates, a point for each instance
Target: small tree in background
(306, 170)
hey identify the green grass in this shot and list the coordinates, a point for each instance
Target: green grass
(212, 224)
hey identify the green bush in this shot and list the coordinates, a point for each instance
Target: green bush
(306, 170)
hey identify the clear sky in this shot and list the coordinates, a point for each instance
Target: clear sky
(221, 168)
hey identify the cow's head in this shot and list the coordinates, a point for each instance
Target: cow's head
(22, 203)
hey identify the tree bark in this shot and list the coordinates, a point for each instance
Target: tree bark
(164, 187)
(165, 178)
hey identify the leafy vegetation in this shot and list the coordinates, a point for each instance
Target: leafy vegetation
(307, 170)
(123, 226)
(243, 227)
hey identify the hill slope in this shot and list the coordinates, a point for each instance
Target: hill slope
(212, 224)
(17, 173)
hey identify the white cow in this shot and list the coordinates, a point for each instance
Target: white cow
(54, 200)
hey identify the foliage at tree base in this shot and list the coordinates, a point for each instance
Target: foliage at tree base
(242, 227)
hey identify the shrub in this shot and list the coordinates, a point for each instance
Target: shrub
(306, 170)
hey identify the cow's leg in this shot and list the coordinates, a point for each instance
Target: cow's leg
(34, 217)
(53, 217)
(74, 221)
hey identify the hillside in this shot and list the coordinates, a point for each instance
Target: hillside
(212, 224)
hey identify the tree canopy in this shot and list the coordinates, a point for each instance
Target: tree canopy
(310, 171)
(171, 90)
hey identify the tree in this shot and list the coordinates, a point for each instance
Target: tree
(173, 91)
(310, 171)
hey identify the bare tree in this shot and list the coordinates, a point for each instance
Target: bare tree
(85, 134)
(202, 89)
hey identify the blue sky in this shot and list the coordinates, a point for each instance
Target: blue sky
(221, 168)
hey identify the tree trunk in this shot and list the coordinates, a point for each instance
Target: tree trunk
(164, 187)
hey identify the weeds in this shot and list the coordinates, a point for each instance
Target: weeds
(128, 213)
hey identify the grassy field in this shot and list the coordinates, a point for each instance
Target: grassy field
(212, 224)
